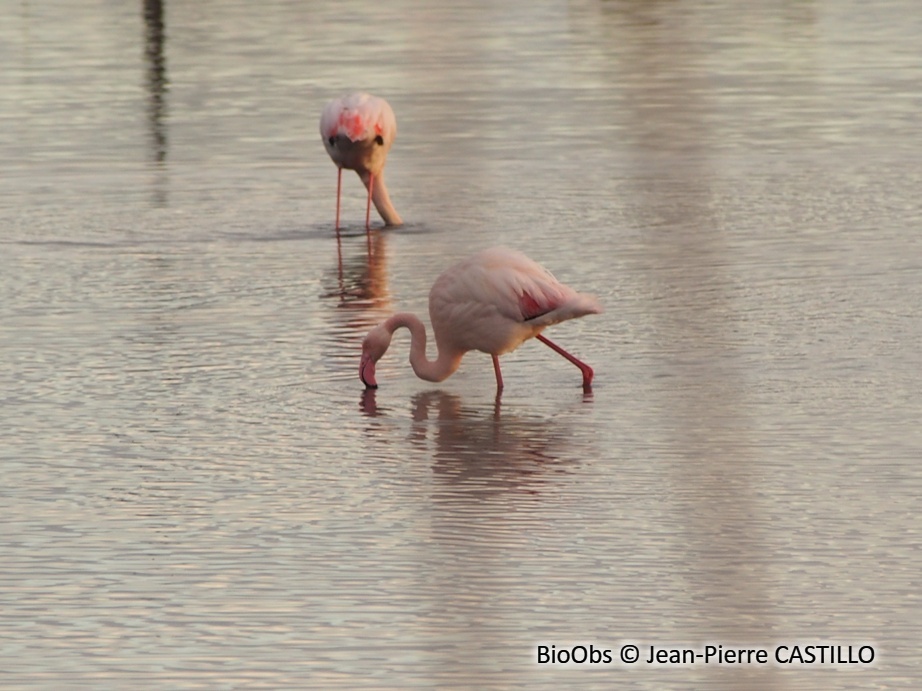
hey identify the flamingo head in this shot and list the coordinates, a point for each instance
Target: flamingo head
(374, 346)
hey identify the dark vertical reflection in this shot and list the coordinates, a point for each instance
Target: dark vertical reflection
(156, 83)
(662, 66)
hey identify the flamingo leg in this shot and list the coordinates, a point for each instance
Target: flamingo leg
(339, 189)
(371, 186)
(499, 375)
(583, 367)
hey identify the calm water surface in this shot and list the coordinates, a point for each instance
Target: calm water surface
(198, 494)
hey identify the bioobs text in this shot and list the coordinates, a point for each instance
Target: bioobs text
(580, 654)
(786, 655)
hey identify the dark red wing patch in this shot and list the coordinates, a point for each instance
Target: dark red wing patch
(531, 308)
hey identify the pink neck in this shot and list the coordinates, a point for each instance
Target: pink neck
(431, 370)
(381, 199)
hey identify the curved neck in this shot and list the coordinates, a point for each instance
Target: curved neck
(431, 370)
(381, 199)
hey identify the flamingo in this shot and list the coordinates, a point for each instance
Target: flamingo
(492, 302)
(358, 130)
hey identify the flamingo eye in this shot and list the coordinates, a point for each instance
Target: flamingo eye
(332, 141)
(379, 140)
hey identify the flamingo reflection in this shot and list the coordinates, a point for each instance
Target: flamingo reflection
(485, 454)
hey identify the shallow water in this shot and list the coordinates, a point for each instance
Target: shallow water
(197, 491)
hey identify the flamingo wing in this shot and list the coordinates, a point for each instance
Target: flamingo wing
(498, 298)
(527, 292)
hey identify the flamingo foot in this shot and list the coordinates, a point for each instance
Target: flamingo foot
(588, 374)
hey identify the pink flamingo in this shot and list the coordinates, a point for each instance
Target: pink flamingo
(358, 130)
(491, 302)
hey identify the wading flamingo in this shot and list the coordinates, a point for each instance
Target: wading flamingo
(358, 130)
(492, 302)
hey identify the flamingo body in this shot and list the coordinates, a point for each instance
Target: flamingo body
(358, 131)
(492, 302)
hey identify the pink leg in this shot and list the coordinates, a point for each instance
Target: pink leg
(584, 368)
(371, 186)
(499, 375)
(339, 189)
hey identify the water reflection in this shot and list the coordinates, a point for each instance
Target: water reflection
(361, 280)
(496, 483)
(156, 83)
(356, 296)
(479, 454)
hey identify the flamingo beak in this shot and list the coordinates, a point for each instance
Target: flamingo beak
(367, 372)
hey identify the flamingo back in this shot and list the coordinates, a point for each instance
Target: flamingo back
(358, 116)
